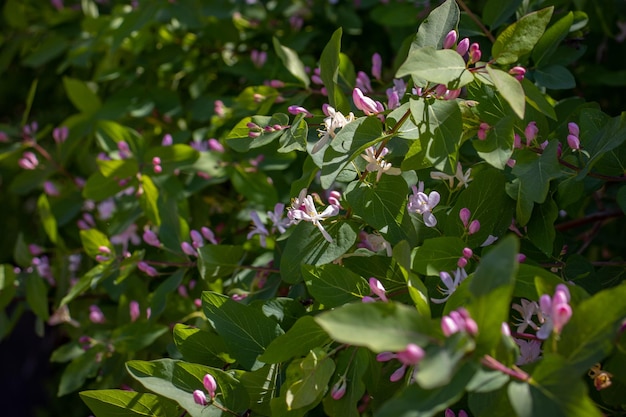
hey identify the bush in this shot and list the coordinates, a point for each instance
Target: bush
(306, 208)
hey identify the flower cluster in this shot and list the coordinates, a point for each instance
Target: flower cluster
(303, 208)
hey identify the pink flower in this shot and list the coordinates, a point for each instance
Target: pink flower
(199, 397)
(60, 134)
(366, 104)
(210, 384)
(450, 39)
(377, 65)
(299, 109)
(96, 315)
(28, 161)
(531, 132)
(133, 307)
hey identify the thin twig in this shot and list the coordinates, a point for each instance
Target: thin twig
(476, 20)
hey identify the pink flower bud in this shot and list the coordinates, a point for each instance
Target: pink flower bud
(531, 132)
(505, 329)
(377, 66)
(150, 271)
(157, 169)
(450, 39)
(474, 53)
(334, 199)
(521, 257)
(188, 249)
(60, 134)
(398, 374)
(151, 238)
(464, 215)
(96, 315)
(50, 189)
(411, 355)
(463, 46)
(385, 356)
(339, 389)
(377, 288)
(517, 141)
(104, 250)
(210, 384)
(28, 161)
(461, 263)
(365, 104)
(363, 82)
(199, 397)
(449, 326)
(573, 142)
(518, 72)
(215, 145)
(208, 235)
(573, 129)
(467, 253)
(133, 307)
(167, 140)
(196, 239)
(298, 110)
(473, 227)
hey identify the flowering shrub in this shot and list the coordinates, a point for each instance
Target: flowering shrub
(425, 229)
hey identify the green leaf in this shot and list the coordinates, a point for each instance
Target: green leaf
(383, 206)
(433, 30)
(177, 380)
(290, 59)
(118, 168)
(262, 386)
(497, 147)
(537, 99)
(76, 373)
(552, 37)
(333, 285)
(52, 46)
(295, 137)
(541, 231)
(315, 370)
(510, 89)
(555, 77)
(255, 186)
(29, 101)
(440, 363)
(99, 187)
(520, 38)
(590, 334)
(37, 296)
(148, 199)
(216, 261)
(492, 285)
(441, 128)
(554, 390)
(81, 96)
(133, 337)
(307, 246)
(378, 326)
(199, 346)
(534, 173)
(160, 296)
(92, 277)
(600, 139)
(7, 285)
(353, 365)
(442, 66)
(305, 335)
(414, 401)
(92, 240)
(48, 219)
(122, 403)
(438, 254)
(496, 12)
(329, 73)
(350, 142)
(246, 332)
(173, 157)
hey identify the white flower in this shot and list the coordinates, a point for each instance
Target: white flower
(530, 351)
(378, 164)
(464, 178)
(334, 121)
(451, 284)
(307, 212)
(527, 309)
(423, 204)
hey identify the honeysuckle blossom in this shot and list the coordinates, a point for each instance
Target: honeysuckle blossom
(555, 311)
(572, 139)
(377, 288)
(410, 356)
(333, 122)
(450, 39)
(210, 384)
(276, 217)
(339, 389)
(527, 309)
(458, 321)
(258, 229)
(463, 177)
(423, 204)
(450, 284)
(375, 243)
(199, 397)
(303, 208)
(530, 351)
(378, 164)
(366, 104)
